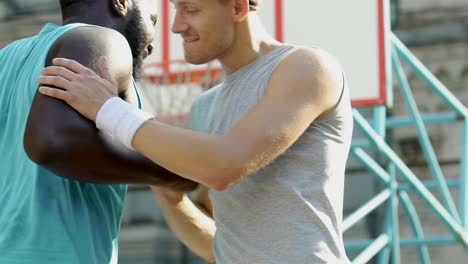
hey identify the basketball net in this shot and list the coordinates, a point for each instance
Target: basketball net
(170, 95)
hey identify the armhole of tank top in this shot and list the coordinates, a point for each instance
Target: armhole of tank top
(135, 87)
(293, 48)
(56, 39)
(327, 113)
(67, 29)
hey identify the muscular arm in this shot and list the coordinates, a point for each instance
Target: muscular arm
(305, 85)
(64, 142)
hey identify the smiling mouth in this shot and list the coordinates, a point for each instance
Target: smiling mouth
(191, 40)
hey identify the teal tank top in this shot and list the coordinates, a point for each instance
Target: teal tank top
(45, 218)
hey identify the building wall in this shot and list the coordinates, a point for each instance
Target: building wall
(436, 31)
(420, 5)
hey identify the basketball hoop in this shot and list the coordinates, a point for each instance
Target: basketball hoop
(169, 89)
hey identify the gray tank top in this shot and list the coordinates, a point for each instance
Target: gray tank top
(291, 210)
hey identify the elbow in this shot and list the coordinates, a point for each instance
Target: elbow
(221, 183)
(226, 168)
(210, 258)
(36, 150)
(218, 185)
(43, 151)
(226, 177)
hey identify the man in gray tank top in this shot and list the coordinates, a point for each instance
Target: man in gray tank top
(271, 142)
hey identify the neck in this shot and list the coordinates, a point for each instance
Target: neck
(96, 15)
(251, 42)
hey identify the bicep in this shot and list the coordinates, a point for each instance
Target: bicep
(270, 128)
(51, 122)
(292, 101)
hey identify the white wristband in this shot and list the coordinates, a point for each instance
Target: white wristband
(121, 120)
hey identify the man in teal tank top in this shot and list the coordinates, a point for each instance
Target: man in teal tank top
(271, 142)
(61, 182)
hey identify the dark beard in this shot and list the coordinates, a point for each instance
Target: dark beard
(135, 34)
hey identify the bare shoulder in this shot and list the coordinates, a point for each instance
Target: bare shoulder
(313, 73)
(86, 44)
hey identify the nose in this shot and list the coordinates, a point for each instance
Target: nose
(179, 25)
(150, 49)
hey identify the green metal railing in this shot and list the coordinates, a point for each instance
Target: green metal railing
(397, 179)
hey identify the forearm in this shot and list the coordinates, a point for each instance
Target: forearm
(91, 157)
(191, 226)
(209, 159)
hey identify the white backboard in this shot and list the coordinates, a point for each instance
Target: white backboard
(353, 31)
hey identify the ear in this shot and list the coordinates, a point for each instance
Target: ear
(121, 7)
(241, 10)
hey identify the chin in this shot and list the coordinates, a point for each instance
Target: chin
(196, 61)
